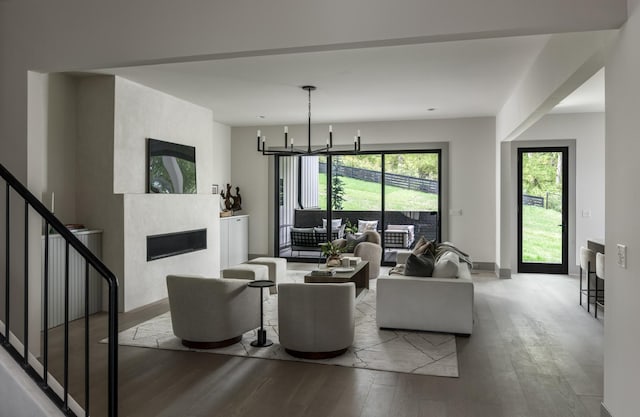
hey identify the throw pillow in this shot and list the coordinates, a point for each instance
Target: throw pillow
(352, 242)
(447, 266)
(424, 246)
(364, 225)
(419, 265)
(335, 223)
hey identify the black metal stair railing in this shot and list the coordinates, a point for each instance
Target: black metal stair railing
(91, 260)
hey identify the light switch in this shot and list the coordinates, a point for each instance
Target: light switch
(622, 256)
(455, 212)
(586, 213)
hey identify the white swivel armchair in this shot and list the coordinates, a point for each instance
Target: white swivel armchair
(316, 321)
(209, 313)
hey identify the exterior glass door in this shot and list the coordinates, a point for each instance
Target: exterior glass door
(543, 210)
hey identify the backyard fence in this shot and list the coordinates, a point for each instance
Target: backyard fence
(396, 180)
(551, 201)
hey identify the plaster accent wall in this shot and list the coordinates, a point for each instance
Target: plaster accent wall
(115, 116)
(141, 112)
(471, 173)
(622, 147)
(151, 214)
(588, 131)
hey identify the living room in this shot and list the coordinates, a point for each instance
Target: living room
(479, 230)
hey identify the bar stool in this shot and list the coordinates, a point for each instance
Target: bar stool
(587, 263)
(599, 274)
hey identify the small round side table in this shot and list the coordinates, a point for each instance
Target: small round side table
(262, 340)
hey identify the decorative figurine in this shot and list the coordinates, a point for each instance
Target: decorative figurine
(232, 202)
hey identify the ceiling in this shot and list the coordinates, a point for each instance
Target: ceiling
(454, 79)
(587, 98)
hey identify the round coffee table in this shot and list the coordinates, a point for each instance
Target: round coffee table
(262, 340)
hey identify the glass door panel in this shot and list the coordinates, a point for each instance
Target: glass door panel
(300, 197)
(411, 200)
(542, 211)
(356, 191)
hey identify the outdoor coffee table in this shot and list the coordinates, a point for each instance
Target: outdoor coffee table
(359, 276)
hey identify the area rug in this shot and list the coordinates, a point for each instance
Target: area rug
(422, 353)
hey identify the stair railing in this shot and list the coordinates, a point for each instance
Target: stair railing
(62, 400)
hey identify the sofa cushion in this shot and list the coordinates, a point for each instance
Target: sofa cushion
(419, 265)
(352, 242)
(446, 266)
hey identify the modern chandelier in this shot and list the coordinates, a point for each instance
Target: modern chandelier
(290, 150)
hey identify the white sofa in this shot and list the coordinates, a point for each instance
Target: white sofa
(425, 303)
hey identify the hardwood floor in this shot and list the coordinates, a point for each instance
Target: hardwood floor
(534, 352)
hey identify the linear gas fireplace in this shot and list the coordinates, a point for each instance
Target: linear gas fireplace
(171, 244)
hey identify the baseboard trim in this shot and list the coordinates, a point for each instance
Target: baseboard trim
(503, 273)
(484, 266)
(603, 411)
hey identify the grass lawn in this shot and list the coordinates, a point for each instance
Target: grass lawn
(365, 195)
(541, 236)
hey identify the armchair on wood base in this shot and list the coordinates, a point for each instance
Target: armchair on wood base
(209, 313)
(316, 321)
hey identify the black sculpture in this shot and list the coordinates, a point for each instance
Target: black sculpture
(232, 202)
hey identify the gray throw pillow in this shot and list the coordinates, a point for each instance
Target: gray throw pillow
(419, 265)
(352, 242)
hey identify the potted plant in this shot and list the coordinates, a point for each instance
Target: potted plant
(350, 228)
(332, 252)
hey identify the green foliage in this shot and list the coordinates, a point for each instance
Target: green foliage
(350, 228)
(329, 249)
(364, 195)
(541, 236)
(542, 173)
(337, 193)
(419, 165)
(162, 180)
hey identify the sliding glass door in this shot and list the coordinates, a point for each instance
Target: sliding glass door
(394, 193)
(411, 200)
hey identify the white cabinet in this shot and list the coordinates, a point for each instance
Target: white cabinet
(234, 240)
(57, 259)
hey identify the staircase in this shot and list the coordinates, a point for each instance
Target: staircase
(37, 368)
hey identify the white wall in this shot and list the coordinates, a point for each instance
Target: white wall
(61, 147)
(588, 131)
(221, 155)
(97, 207)
(622, 147)
(471, 173)
(140, 113)
(565, 63)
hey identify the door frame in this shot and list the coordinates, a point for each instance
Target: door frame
(567, 190)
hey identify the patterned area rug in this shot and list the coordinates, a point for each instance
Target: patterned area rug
(416, 352)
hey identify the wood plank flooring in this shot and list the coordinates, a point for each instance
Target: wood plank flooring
(534, 352)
